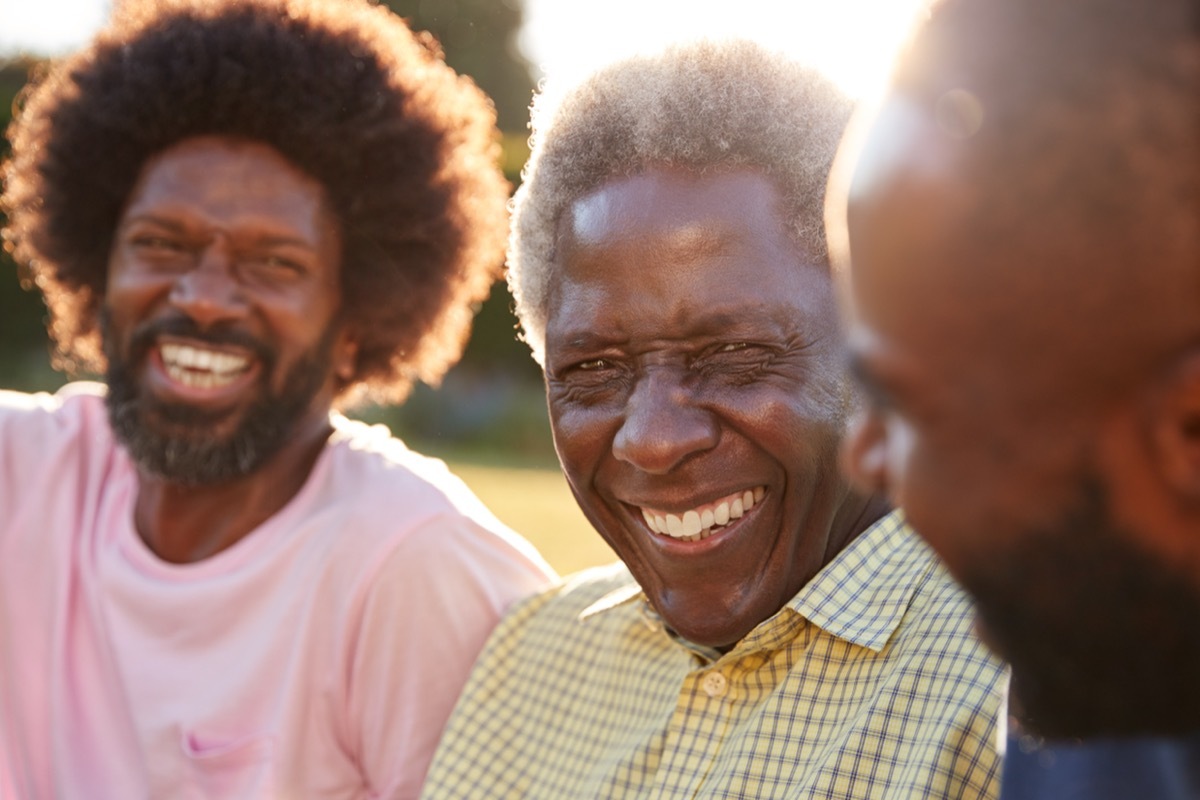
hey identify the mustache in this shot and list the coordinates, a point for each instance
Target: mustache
(145, 335)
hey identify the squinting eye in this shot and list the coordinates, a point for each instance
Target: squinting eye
(156, 243)
(280, 262)
(732, 347)
(594, 364)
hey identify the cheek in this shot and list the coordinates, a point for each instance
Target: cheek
(582, 439)
(800, 427)
(128, 292)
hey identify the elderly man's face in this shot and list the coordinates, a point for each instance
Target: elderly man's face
(974, 424)
(693, 369)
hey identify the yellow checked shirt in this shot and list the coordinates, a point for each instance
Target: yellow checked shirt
(868, 684)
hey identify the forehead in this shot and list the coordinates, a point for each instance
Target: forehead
(906, 272)
(228, 179)
(669, 250)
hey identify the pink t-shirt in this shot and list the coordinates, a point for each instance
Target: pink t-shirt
(318, 657)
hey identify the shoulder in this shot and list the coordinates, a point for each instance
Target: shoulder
(585, 610)
(72, 408)
(400, 523)
(584, 594)
(375, 482)
(380, 469)
(61, 429)
(1100, 769)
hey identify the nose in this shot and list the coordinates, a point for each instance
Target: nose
(663, 425)
(864, 457)
(209, 292)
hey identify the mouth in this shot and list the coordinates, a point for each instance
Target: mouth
(196, 366)
(704, 520)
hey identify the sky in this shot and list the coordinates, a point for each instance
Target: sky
(851, 40)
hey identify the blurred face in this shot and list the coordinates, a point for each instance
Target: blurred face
(693, 375)
(1018, 480)
(219, 315)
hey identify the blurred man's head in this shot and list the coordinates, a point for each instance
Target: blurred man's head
(1021, 225)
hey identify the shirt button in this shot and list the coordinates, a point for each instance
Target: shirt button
(714, 684)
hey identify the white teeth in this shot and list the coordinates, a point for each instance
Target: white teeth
(699, 523)
(220, 366)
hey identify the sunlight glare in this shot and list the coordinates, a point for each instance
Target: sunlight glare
(853, 41)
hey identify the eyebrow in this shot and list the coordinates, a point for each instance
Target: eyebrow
(267, 240)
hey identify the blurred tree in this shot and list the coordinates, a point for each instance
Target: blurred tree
(23, 341)
(479, 39)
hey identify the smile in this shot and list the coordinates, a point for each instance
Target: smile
(201, 367)
(700, 522)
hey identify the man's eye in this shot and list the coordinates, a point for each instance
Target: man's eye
(592, 365)
(276, 261)
(157, 243)
(732, 347)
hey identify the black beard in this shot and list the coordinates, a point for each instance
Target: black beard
(175, 441)
(1103, 638)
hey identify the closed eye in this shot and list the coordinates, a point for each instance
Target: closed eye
(157, 243)
(592, 365)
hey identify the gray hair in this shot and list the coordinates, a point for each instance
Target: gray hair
(703, 106)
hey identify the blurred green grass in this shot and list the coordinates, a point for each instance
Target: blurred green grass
(537, 503)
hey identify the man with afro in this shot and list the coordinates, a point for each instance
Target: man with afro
(244, 214)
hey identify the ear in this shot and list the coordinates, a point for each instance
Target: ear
(1176, 426)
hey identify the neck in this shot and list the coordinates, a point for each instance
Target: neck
(184, 524)
(855, 515)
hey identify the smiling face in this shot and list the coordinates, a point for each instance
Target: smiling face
(220, 311)
(696, 396)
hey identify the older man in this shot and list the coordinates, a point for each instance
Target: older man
(245, 211)
(769, 632)
(1024, 250)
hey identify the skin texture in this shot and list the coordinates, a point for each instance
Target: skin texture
(224, 245)
(1021, 270)
(692, 353)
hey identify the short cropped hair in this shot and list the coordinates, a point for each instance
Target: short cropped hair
(405, 149)
(703, 106)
